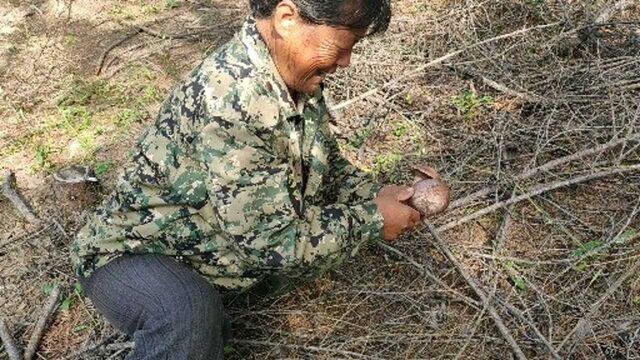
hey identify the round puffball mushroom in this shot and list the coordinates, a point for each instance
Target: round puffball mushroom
(431, 194)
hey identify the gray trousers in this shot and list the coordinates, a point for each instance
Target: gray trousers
(170, 311)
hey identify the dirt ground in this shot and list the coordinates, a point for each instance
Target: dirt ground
(81, 79)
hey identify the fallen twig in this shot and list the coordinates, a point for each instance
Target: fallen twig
(425, 272)
(10, 192)
(104, 54)
(438, 61)
(314, 349)
(548, 166)
(614, 7)
(37, 333)
(9, 343)
(596, 306)
(88, 348)
(540, 189)
(504, 331)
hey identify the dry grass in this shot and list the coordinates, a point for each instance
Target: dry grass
(482, 117)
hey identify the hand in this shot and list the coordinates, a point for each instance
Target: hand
(398, 217)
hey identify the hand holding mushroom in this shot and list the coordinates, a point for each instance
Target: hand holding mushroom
(431, 195)
(403, 207)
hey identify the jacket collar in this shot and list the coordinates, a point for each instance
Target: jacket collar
(260, 57)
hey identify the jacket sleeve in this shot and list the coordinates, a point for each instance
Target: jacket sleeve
(253, 192)
(353, 184)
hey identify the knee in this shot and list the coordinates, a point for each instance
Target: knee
(195, 307)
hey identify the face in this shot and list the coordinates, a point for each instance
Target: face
(316, 51)
(305, 53)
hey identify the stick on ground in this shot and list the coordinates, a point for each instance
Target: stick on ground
(9, 343)
(548, 166)
(504, 331)
(10, 192)
(37, 333)
(540, 189)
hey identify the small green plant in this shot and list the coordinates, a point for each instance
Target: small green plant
(516, 278)
(386, 164)
(469, 102)
(43, 152)
(70, 39)
(81, 92)
(583, 250)
(400, 131)
(626, 236)
(12, 50)
(409, 99)
(361, 136)
(127, 117)
(103, 168)
(586, 248)
(171, 4)
(151, 94)
(70, 299)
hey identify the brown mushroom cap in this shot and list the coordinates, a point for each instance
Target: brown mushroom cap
(431, 194)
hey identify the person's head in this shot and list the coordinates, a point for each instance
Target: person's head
(310, 38)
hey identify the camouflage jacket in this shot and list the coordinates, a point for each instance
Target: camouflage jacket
(236, 180)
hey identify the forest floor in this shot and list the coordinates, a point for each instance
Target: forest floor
(489, 93)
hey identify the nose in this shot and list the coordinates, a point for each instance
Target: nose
(344, 60)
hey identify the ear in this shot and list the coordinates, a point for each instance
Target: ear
(285, 18)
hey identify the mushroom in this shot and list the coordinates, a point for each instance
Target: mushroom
(431, 194)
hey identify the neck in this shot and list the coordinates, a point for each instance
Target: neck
(273, 43)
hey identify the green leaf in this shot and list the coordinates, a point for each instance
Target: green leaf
(66, 304)
(586, 248)
(582, 266)
(80, 328)
(409, 99)
(48, 288)
(103, 168)
(77, 289)
(520, 283)
(626, 236)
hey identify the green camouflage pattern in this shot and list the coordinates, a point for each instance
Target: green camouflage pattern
(236, 180)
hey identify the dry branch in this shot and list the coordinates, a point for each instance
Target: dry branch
(104, 54)
(612, 9)
(504, 331)
(9, 343)
(439, 61)
(540, 189)
(314, 349)
(425, 272)
(37, 333)
(10, 192)
(548, 166)
(595, 307)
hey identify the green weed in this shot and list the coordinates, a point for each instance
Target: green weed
(127, 117)
(361, 137)
(70, 39)
(171, 4)
(42, 157)
(103, 168)
(387, 164)
(81, 92)
(469, 102)
(12, 50)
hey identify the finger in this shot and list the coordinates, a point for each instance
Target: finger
(415, 217)
(389, 190)
(428, 171)
(405, 194)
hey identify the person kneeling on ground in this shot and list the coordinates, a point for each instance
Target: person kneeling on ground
(239, 179)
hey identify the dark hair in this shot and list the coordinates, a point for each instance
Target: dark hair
(373, 15)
